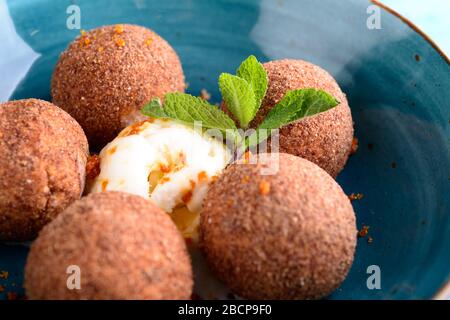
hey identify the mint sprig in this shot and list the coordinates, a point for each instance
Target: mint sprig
(243, 94)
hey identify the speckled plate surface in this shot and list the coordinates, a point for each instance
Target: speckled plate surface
(397, 83)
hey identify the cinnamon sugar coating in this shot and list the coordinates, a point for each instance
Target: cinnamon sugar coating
(295, 241)
(124, 246)
(107, 74)
(43, 153)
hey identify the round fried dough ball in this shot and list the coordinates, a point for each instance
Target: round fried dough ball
(121, 245)
(289, 235)
(107, 74)
(43, 154)
(325, 138)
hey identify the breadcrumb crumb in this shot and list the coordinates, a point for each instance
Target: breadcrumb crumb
(363, 232)
(355, 145)
(264, 187)
(247, 156)
(118, 29)
(205, 95)
(187, 196)
(148, 42)
(11, 296)
(104, 185)
(120, 43)
(202, 176)
(4, 274)
(355, 196)
(93, 167)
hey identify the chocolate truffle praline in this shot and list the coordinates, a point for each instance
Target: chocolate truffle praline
(122, 245)
(43, 153)
(289, 235)
(107, 74)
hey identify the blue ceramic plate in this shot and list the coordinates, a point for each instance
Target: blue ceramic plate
(397, 82)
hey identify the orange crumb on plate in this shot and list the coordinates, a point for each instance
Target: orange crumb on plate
(4, 274)
(363, 232)
(355, 196)
(205, 95)
(354, 147)
(11, 296)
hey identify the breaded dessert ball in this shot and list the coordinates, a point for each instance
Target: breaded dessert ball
(43, 153)
(121, 245)
(289, 235)
(324, 139)
(106, 75)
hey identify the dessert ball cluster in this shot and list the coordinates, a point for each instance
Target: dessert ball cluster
(290, 234)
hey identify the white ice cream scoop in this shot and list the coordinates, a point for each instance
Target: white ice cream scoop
(167, 162)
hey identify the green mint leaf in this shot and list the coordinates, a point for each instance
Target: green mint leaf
(154, 109)
(188, 109)
(298, 104)
(239, 98)
(295, 105)
(254, 73)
